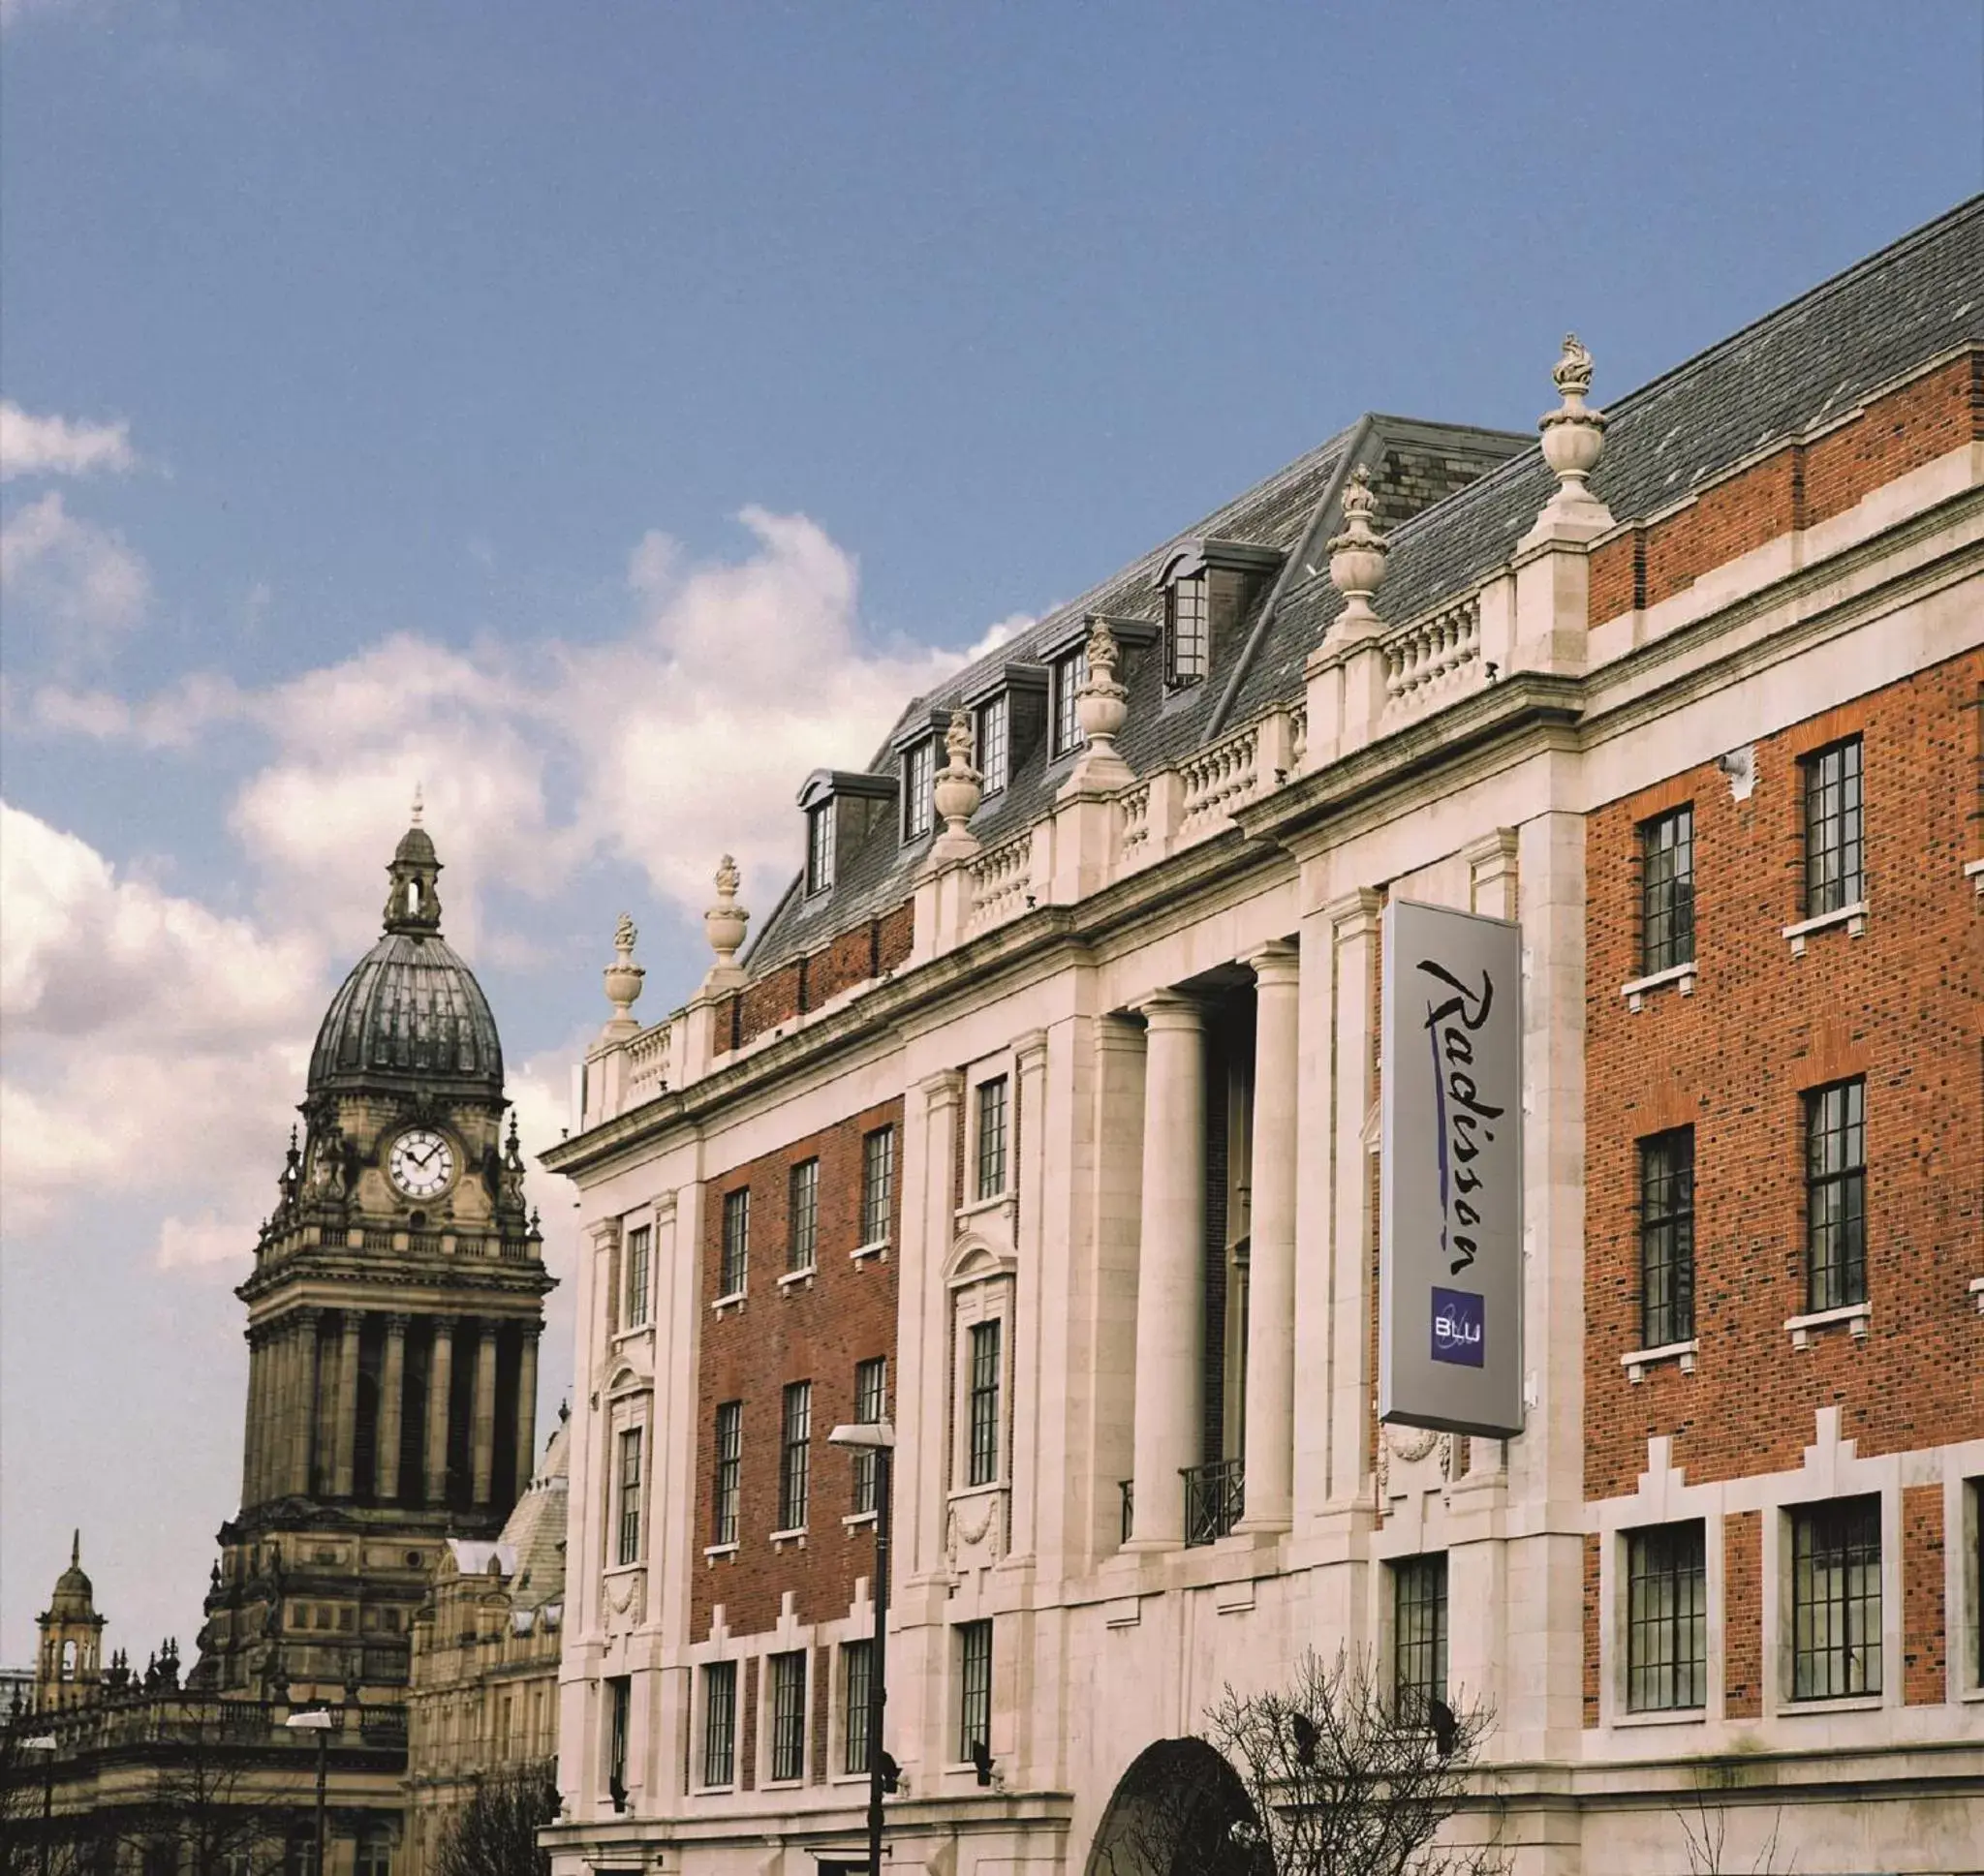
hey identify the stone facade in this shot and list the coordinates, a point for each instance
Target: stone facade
(1134, 1268)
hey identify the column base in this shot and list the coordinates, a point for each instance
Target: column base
(1150, 1545)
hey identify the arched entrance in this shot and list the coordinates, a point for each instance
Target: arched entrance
(1180, 1810)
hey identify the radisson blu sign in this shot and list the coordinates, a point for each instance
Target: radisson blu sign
(1451, 1252)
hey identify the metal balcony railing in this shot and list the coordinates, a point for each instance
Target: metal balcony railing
(1215, 1497)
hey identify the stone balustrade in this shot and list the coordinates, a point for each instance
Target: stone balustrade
(1001, 881)
(1432, 659)
(647, 1063)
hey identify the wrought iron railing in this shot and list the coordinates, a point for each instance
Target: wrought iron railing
(1215, 1497)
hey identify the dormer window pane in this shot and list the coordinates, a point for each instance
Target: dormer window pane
(919, 773)
(1186, 637)
(820, 848)
(995, 720)
(1070, 673)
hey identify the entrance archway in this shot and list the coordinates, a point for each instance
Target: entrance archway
(1179, 1810)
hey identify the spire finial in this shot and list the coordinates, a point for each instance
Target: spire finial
(76, 1548)
(418, 806)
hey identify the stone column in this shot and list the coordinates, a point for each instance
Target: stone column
(1354, 925)
(440, 1383)
(351, 1327)
(1029, 1115)
(1170, 1281)
(482, 1413)
(303, 1409)
(527, 1398)
(251, 1433)
(1271, 1251)
(392, 1381)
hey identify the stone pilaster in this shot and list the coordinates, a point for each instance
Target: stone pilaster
(924, 1310)
(1271, 1254)
(527, 1402)
(345, 1436)
(302, 1426)
(393, 1382)
(1170, 1312)
(440, 1387)
(1030, 1111)
(482, 1414)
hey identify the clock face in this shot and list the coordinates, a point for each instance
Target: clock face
(421, 1164)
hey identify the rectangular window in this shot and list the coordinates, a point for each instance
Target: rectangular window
(973, 1687)
(1666, 1618)
(857, 1660)
(639, 1252)
(877, 1184)
(1835, 1196)
(1666, 892)
(720, 1723)
(802, 1217)
(1070, 673)
(1835, 1599)
(736, 1267)
(995, 742)
(729, 1452)
(984, 1404)
(919, 771)
(1666, 1238)
(1187, 640)
(1419, 1642)
(374, 1855)
(628, 1547)
(820, 847)
(1832, 830)
(795, 1455)
(871, 1404)
(992, 1138)
(619, 1708)
(789, 1716)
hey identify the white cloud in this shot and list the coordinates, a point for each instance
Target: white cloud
(81, 577)
(54, 446)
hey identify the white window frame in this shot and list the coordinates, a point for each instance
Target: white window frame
(919, 779)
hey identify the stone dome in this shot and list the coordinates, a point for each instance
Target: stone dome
(411, 1007)
(75, 1593)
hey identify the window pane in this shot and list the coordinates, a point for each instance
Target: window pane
(857, 1658)
(737, 1264)
(975, 1686)
(718, 1722)
(984, 1404)
(1666, 1238)
(639, 1249)
(729, 1455)
(630, 1495)
(992, 1138)
(795, 1455)
(1667, 891)
(802, 1213)
(1835, 1196)
(871, 1384)
(1833, 829)
(993, 741)
(1666, 1622)
(1070, 673)
(1187, 638)
(619, 1703)
(820, 848)
(877, 1184)
(1418, 1635)
(789, 1716)
(1835, 1599)
(919, 773)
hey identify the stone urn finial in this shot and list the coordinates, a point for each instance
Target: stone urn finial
(623, 979)
(726, 922)
(959, 788)
(1358, 557)
(1573, 434)
(1102, 703)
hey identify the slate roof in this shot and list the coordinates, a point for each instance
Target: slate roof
(1817, 357)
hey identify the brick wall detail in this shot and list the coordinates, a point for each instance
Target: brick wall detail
(1743, 1616)
(1594, 1554)
(1901, 1005)
(1924, 1649)
(863, 952)
(814, 1331)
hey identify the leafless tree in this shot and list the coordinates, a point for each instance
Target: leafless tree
(495, 1833)
(36, 1839)
(1343, 1783)
(1705, 1829)
(208, 1798)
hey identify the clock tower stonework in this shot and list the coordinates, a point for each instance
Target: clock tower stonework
(393, 1317)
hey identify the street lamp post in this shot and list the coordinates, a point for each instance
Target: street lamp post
(319, 1722)
(876, 1437)
(45, 1744)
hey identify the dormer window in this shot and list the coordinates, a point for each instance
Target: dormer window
(1187, 630)
(1070, 673)
(820, 847)
(995, 742)
(920, 772)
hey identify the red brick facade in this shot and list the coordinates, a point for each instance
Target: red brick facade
(816, 1330)
(1902, 1005)
(1924, 1642)
(868, 950)
(1743, 1616)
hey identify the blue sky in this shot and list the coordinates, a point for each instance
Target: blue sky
(606, 414)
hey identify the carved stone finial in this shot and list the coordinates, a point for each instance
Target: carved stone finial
(1573, 441)
(1358, 558)
(957, 791)
(726, 922)
(1102, 703)
(418, 805)
(623, 979)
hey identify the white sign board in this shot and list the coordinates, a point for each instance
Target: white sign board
(1450, 1288)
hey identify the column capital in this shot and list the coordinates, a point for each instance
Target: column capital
(1029, 1049)
(1171, 1010)
(1120, 1031)
(944, 1088)
(447, 1322)
(664, 1206)
(605, 1234)
(1354, 913)
(398, 1321)
(307, 1317)
(1277, 964)
(530, 1331)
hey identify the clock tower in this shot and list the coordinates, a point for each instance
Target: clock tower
(393, 1316)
